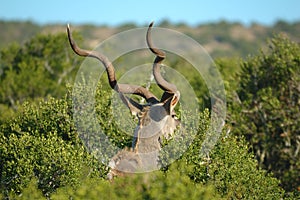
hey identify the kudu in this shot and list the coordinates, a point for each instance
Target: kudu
(156, 119)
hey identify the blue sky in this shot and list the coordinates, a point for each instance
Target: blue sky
(115, 12)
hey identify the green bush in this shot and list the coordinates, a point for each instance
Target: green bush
(232, 174)
(38, 69)
(42, 142)
(229, 166)
(175, 184)
(41, 145)
(267, 112)
(235, 173)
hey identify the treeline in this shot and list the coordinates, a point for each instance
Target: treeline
(220, 38)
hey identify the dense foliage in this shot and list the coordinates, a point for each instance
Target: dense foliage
(41, 150)
(39, 68)
(41, 142)
(45, 143)
(268, 111)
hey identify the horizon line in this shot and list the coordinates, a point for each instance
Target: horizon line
(161, 21)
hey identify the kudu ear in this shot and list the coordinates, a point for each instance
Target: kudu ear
(133, 106)
(170, 101)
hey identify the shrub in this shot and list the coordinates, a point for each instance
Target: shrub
(268, 111)
(38, 69)
(155, 185)
(235, 173)
(42, 142)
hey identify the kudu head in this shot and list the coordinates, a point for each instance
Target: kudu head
(157, 118)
